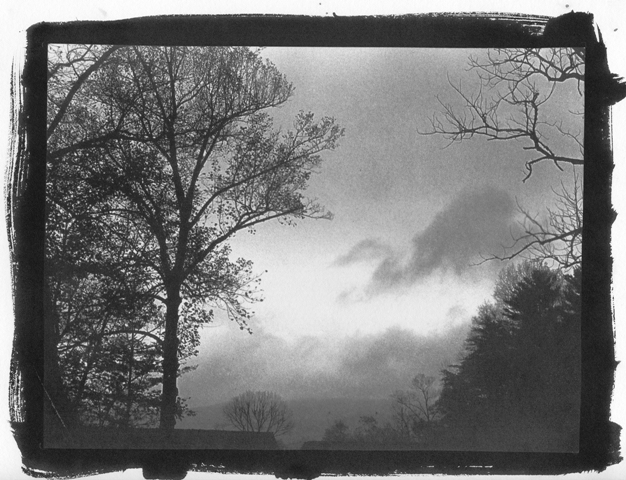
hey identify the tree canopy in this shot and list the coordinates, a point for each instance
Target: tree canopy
(517, 385)
(156, 157)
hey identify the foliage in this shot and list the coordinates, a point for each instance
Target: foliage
(518, 384)
(259, 412)
(156, 157)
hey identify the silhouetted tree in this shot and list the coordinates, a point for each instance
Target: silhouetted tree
(518, 384)
(414, 410)
(259, 412)
(175, 142)
(369, 432)
(107, 328)
(70, 71)
(515, 100)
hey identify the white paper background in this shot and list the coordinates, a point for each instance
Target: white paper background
(17, 16)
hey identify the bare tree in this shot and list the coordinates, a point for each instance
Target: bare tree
(515, 86)
(555, 236)
(512, 103)
(259, 412)
(415, 408)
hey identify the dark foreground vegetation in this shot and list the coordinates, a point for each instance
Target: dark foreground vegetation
(516, 386)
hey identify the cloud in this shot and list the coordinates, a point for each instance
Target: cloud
(380, 364)
(476, 223)
(365, 250)
(357, 366)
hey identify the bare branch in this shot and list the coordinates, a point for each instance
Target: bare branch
(557, 238)
(514, 87)
(259, 412)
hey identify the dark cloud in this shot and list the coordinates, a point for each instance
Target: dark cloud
(365, 250)
(476, 223)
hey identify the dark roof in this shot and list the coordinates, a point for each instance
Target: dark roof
(155, 438)
(354, 446)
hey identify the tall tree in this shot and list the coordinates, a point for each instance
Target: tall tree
(518, 384)
(70, 73)
(185, 153)
(101, 300)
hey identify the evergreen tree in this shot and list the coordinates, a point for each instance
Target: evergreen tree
(517, 386)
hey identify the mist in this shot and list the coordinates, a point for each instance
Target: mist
(354, 366)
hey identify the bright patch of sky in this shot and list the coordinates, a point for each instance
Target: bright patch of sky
(389, 187)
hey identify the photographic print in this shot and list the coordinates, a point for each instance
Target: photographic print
(314, 248)
(306, 246)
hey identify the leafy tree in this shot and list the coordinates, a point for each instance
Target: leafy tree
(70, 71)
(173, 141)
(518, 384)
(517, 94)
(259, 412)
(108, 330)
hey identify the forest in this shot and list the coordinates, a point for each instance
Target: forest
(515, 388)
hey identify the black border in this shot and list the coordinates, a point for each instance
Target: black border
(599, 438)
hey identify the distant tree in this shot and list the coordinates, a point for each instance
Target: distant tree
(259, 412)
(518, 384)
(337, 432)
(517, 93)
(175, 141)
(414, 410)
(369, 432)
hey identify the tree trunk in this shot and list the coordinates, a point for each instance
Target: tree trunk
(170, 360)
(59, 410)
(129, 383)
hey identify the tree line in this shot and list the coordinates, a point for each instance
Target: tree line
(517, 383)
(516, 386)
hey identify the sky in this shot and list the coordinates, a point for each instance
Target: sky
(401, 260)
(608, 14)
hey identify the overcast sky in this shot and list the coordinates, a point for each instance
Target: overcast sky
(398, 261)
